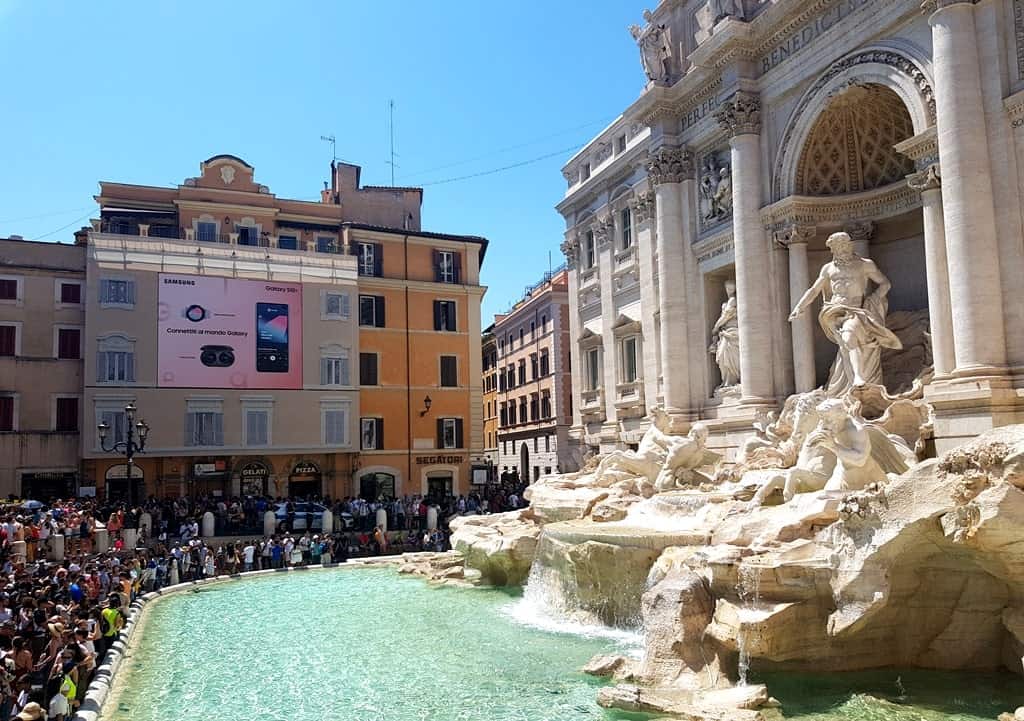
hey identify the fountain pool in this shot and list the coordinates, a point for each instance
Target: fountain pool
(361, 644)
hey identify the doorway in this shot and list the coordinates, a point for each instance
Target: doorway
(524, 462)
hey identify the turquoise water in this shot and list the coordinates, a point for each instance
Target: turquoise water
(896, 695)
(353, 645)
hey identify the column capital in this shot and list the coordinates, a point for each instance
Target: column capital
(930, 6)
(670, 164)
(795, 234)
(862, 230)
(644, 207)
(928, 178)
(603, 228)
(571, 250)
(740, 114)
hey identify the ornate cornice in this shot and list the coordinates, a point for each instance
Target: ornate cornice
(644, 207)
(669, 165)
(740, 114)
(878, 204)
(930, 6)
(930, 178)
(923, 148)
(795, 234)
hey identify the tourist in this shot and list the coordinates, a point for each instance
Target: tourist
(248, 553)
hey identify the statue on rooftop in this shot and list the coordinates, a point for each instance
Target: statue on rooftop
(655, 50)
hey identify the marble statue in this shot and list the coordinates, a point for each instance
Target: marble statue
(838, 452)
(722, 9)
(725, 339)
(715, 191)
(851, 317)
(708, 181)
(655, 50)
(684, 455)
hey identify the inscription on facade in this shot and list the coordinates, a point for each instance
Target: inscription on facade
(691, 118)
(810, 32)
(714, 252)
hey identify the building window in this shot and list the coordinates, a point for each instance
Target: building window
(533, 330)
(370, 259)
(10, 289)
(585, 171)
(534, 367)
(371, 434)
(325, 244)
(449, 371)
(626, 219)
(334, 368)
(534, 408)
(449, 433)
(593, 369)
(204, 424)
(247, 235)
(7, 416)
(545, 405)
(70, 293)
(116, 422)
(627, 362)
(257, 427)
(69, 343)
(9, 340)
(288, 242)
(334, 422)
(446, 266)
(444, 315)
(66, 418)
(620, 143)
(504, 415)
(512, 413)
(545, 363)
(588, 249)
(206, 232)
(547, 447)
(521, 334)
(371, 310)
(117, 292)
(115, 360)
(536, 444)
(368, 369)
(522, 372)
(335, 306)
(523, 418)
(536, 472)
(543, 324)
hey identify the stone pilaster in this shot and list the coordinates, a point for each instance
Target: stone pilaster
(571, 250)
(740, 116)
(643, 224)
(669, 170)
(610, 356)
(968, 211)
(795, 239)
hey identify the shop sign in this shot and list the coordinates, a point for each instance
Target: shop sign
(254, 472)
(205, 470)
(120, 472)
(306, 468)
(431, 460)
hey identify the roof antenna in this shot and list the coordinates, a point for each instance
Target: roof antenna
(330, 139)
(391, 130)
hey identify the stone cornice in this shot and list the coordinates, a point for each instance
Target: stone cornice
(923, 148)
(644, 207)
(795, 234)
(741, 114)
(669, 165)
(930, 6)
(930, 178)
(877, 204)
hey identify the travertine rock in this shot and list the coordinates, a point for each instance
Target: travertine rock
(501, 546)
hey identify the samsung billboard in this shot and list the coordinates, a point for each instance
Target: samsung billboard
(228, 333)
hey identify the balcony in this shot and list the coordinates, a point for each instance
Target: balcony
(629, 399)
(592, 404)
(625, 258)
(589, 277)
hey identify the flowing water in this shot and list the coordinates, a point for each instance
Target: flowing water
(360, 644)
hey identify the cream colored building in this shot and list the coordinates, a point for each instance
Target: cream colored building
(42, 331)
(763, 128)
(534, 386)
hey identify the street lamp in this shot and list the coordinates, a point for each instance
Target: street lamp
(129, 447)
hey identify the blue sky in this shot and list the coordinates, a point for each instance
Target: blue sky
(141, 92)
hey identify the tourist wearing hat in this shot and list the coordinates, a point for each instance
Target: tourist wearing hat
(31, 712)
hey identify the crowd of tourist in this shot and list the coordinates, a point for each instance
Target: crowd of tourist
(59, 617)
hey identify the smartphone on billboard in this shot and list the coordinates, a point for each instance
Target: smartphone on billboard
(272, 337)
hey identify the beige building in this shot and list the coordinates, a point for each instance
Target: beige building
(489, 357)
(534, 384)
(698, 219)
(42, 332)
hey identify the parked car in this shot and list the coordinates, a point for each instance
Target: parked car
(314, 511)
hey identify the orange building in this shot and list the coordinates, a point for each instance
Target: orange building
(420, 394)
(489, 355)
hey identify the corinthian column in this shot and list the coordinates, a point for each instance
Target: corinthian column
(669, 171)
(940, 314)
(795, 239)
(967, 208)
(741, 117)
(571, 250)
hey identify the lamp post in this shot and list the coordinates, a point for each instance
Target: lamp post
(129, 447)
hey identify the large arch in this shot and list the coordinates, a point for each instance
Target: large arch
(887, 67)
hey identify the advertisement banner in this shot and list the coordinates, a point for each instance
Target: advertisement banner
(229, 333)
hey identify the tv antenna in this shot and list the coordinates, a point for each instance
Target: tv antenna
(330, 139)
(391, 132)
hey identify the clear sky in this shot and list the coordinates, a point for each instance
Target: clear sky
(141, 92)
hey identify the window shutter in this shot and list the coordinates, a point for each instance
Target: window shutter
(379, 422)
(457, 267)
(453, 324)
(131, 292)
(437, 315)
(344, 380)
(101, 367)
(378, 309)
(378, 259)
(440, 432)
(190, 429)
(324, 380)
(218, 429)
(129, 364)
(436, 255)
(458, 433)
(343, 305)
